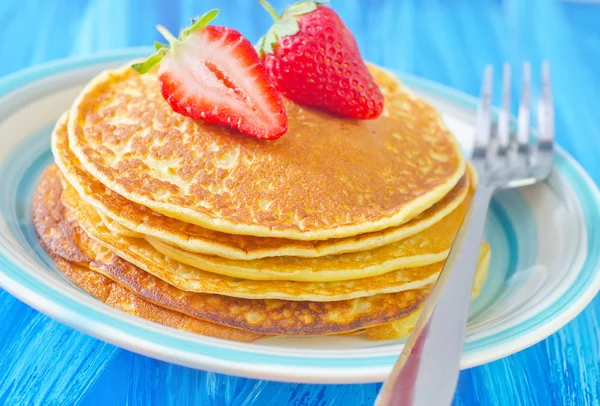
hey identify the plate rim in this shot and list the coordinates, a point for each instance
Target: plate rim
(278, 372)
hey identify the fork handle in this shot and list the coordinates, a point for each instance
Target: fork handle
(426, 372)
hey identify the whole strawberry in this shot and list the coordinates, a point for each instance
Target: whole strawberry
(313, 59)
(214, 74)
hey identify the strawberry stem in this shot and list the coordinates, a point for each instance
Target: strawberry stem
(200, 22)
(269, 9)
(165, 33)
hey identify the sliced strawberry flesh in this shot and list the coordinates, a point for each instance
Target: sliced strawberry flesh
(215, 75)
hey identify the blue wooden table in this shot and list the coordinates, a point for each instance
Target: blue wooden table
(44, 362)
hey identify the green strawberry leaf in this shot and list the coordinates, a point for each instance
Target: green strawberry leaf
(149, 63)
(200, 22)
(300, 8)
(288, 25)
(285, 25)
(158, 46)
(267, 42)
(162, 49)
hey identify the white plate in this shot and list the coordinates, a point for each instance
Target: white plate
(545, 242)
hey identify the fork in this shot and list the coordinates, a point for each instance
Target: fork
(426, 372)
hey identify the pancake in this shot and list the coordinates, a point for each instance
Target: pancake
(427, 247)
(48, 213)
(328, 177)
(401, 328)
(394, 330)
(115, 295)
(185, 277)
(118, 228)
(134, 220)
(59, 240)
(259, 316)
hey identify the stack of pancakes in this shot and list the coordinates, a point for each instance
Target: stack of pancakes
(338, 227)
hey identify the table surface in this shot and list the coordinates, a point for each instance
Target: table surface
(45, 362)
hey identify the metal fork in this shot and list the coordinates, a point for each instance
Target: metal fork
(426, 372)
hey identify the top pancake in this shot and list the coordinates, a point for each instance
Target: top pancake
(326, 178)
(130, 219)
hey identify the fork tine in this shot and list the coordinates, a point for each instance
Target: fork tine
(545, 113)
(504, 114)
(523, 122)
(483, 124)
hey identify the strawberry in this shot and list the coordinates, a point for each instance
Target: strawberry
(214, 74)
(314, 60)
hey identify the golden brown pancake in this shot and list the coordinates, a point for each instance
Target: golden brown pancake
(260, 316)
(188, 278)
(118, 228)
(401, 328)
(397, 329)
(117, 296)
(47, 218)
(427, 247)
(134, 220)
(126, 287)
(61, 241)
(328, 177)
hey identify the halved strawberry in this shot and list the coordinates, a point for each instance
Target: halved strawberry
(214, 74)
(313, 59)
